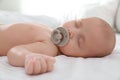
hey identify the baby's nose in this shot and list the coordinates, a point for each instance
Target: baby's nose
(70, 33)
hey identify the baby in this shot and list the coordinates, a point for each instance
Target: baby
(34, 46)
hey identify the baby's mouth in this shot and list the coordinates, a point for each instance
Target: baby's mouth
(60, 36)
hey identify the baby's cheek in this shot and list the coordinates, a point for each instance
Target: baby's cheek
(66, 51)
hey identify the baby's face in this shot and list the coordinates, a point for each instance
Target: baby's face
(86, 38)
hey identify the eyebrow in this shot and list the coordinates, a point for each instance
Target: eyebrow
(76, 23)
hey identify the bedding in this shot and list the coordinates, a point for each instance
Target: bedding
(117, 21)
(70, 68)
(105, 9)
(7, 17)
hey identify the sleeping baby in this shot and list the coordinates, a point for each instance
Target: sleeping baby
(34, 46)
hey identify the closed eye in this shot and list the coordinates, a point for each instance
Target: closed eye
(81, 40)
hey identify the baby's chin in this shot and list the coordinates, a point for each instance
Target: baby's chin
(65, 51)
(68, 52)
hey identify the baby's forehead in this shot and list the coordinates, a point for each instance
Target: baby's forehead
(93, 20)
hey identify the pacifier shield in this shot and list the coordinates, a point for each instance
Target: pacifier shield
(60, 36)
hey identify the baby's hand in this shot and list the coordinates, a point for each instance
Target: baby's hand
(38, 63)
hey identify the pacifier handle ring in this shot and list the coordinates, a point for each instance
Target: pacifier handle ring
(60, 31)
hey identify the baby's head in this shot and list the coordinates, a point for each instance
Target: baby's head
(88, 37)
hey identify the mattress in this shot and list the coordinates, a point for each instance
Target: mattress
(70, 68)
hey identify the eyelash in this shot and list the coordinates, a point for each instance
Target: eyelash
(79, 40)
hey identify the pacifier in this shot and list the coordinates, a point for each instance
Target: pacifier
(60, 36)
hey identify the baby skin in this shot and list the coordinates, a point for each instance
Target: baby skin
(29, 45)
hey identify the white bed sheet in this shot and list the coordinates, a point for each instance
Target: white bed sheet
(70, 68)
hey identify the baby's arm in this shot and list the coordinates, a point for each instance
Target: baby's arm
(21, 33)
(33, 63)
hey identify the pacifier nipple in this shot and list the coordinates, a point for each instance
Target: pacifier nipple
(60, 36)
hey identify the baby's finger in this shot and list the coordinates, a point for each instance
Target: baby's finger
(29, 67)
(37, 66)
(43, 65)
